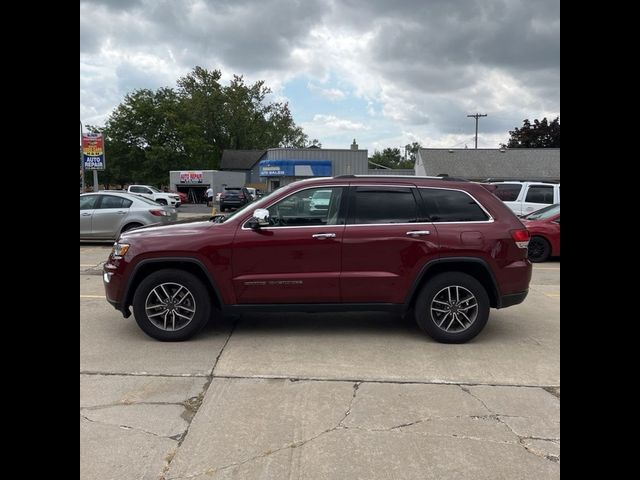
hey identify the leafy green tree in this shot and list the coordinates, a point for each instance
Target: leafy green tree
(391, 158)
(154, 131)
(412, 152)
(540, 134)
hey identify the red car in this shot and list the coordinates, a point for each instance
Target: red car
(183, 197)
(442, 250)
(544, 225)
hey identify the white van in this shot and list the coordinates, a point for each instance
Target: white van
(526, 197)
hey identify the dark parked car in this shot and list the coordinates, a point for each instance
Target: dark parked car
(234, 197)
(444, 251)
(544, 226)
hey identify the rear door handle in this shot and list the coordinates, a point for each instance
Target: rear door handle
(322, 236)
(418, 232)
(121, 212)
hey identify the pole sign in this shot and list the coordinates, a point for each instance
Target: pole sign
(93, 151)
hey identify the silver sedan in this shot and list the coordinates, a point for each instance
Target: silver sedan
(104, 215)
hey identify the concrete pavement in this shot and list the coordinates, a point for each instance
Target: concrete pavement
(320, 396)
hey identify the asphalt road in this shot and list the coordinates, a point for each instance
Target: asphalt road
(320, 396)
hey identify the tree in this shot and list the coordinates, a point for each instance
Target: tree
(541, 134)
(154, 131)
(412, 151)
(391, 158)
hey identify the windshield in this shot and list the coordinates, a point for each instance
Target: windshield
(248, 207)
(544, 213)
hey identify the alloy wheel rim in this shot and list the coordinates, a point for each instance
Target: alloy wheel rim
(454, 309)
(536, 249)
(170, 306)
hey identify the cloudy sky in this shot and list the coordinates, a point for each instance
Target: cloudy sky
(384, 72)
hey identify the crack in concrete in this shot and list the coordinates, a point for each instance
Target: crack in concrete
(92, 270)
(193, 404)
(339, 425)
(129, 427)
(309, 379)
(356, 386)
(128, 404)
(215, 364)
(146, 374)
(552, 458)
(430, 434)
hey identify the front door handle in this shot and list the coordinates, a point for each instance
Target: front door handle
(121, 212)
(322, 236)
(418, 232)
(86, 214)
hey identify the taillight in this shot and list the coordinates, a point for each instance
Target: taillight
(521, 237)
(159, 213)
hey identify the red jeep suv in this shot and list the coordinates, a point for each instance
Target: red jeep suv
(442, 250)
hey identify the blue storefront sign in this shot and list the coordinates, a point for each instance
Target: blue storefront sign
(295, 168)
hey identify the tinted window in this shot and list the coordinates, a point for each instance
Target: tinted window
(138, 190)
(303, 209)
(383, 205)
(451, 206)
(88, 202)
(507, 192)
(109, 201)
(540, 194)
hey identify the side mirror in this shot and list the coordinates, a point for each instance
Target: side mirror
(260, 218)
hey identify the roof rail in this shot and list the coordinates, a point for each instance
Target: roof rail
(456, 179)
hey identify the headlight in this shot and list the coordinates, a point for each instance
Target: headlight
(119, 250)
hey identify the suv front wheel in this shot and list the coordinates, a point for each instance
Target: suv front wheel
(171, 305)
(452, 307)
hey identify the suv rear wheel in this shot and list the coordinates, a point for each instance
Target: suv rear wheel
(171, 305)
(452, 307)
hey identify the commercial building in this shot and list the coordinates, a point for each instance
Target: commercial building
(527, 164)
(195, 182)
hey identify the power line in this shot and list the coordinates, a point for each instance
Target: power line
(477, 116)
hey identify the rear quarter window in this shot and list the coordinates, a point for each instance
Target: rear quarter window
(443, 205)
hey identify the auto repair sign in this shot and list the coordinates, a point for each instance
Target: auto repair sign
(93, 151)
(191, 177)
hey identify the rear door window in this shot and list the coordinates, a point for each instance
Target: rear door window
(378, 205)
(507, 192)
(110, 201)
(540, 194)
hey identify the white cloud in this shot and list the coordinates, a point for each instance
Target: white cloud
(418, 65)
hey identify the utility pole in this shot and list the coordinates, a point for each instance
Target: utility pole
(477, 116)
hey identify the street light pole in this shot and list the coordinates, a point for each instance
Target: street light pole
(476, 116)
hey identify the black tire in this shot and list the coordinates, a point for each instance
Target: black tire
(129, 226)
(162, 201)
(171, 280)
(539, 249)
(436, 324)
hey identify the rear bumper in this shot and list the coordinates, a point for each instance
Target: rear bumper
(513, 299)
